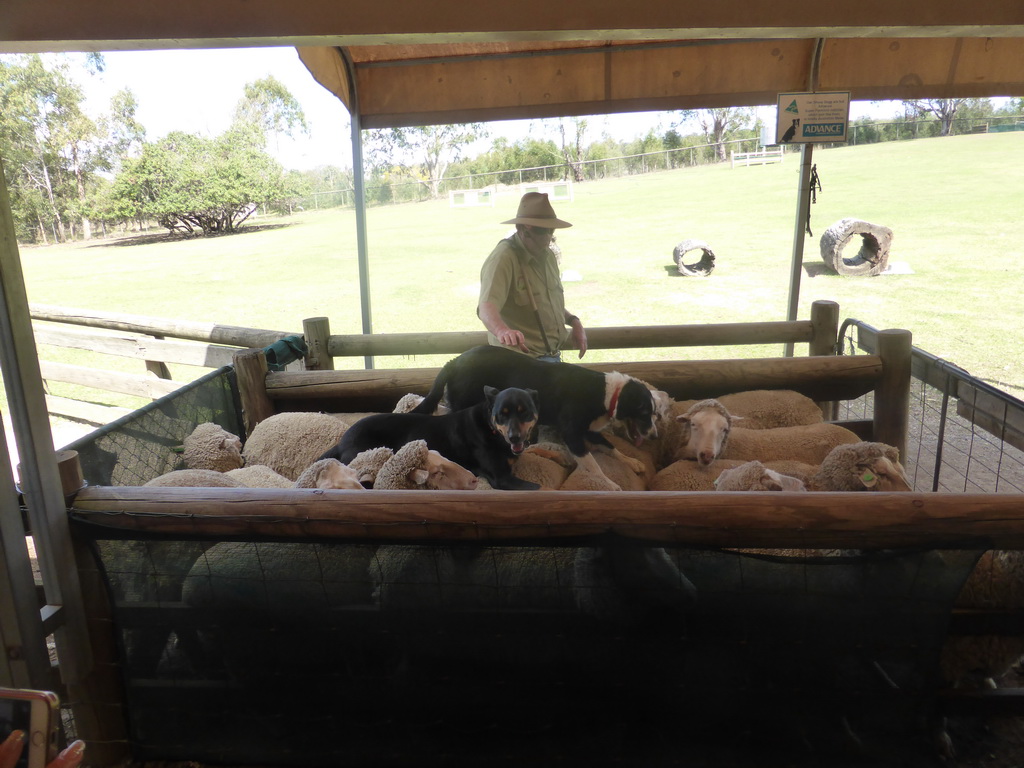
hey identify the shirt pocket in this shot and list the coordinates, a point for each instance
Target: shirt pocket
(519, 293)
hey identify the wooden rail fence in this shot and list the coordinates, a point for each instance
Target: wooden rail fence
(152, 340)
(157, 342)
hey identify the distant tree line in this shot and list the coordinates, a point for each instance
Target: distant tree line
(560, 147)
(68, 173)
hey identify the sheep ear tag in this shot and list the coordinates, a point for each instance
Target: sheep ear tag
(869, 479)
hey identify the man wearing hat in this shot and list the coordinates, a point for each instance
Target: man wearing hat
(522, 303)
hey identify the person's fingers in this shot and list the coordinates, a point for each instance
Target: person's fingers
(11, 748)
(70, 757)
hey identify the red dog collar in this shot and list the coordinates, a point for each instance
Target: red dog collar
(613, 402)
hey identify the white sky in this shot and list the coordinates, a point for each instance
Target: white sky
(196, 91)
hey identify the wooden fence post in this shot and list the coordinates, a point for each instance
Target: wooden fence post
(251, 372)
(157, 367)
(825, 335)
(317, 331)
(892, 394)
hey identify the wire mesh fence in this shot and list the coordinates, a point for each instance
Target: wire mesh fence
(300, 653)
(965, 435)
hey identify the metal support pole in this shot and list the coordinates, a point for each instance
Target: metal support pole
(802, 212)
(359, 190)
(803, 201)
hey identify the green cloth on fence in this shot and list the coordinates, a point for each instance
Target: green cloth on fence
(284, 351)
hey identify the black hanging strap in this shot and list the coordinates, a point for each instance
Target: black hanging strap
(815, 188)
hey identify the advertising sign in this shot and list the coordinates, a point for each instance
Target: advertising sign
(806, 118)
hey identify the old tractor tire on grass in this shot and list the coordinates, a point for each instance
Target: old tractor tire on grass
(871, 259)
(701, 268)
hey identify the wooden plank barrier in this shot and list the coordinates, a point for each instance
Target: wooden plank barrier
(699, 518)
(821, 378)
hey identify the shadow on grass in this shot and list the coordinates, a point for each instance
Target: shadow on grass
(173, 237)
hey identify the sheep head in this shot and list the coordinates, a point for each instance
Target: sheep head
(415, 467)
(754, 476)
(862, 466)
(329, 474)
(443, 475)
(706, 431)
(210, 446)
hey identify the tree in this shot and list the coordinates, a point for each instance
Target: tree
(30, 96)
(271, 108)
(52, 149)
(944, 110)
(125, 133)
(718, 123)
(573, 152)
(188, 183)
(426, 151)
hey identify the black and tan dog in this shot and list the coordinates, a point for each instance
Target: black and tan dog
(577, 401)
(483, 438)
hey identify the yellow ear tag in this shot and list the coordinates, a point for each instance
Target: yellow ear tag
(869, 479)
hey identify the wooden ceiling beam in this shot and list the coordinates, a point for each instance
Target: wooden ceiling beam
(69, 25)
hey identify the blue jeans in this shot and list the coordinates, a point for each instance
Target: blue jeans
(555, 358)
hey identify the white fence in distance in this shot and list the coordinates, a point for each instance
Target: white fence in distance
(466, 198)
(759, 157)
(557, 191)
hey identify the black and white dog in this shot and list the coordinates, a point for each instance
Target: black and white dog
(577, 401)
(483, 438)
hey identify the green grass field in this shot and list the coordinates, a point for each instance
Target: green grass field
(956, 206)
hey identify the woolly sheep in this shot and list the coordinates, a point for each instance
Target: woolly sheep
(614, 582)
(759, 409)
(194, 478)
(368, 463)
(409, 401)
(290, 442)
(689, 475)
(707, 425)
(259, 476)
(324, 474)
(280, 590)
(542, 465)
(210, 446)
(328, 474)
(860, 466)
(771, 408)
(351, 418)
(617, 476)
(809, 443)
(415, 467)
(755, 476)
(996, 583)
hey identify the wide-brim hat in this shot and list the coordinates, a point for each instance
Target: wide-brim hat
(535, 209)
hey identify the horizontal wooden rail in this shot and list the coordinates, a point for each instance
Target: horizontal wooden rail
(138, 347)
(716, 519)
(820, 378)
(112, 381)
(84, 411)
(157, 326)
(625, 337)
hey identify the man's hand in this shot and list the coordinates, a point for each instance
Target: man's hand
(512, 338)
(579, 336)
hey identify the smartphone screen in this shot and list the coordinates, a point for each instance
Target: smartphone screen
(16, 714)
